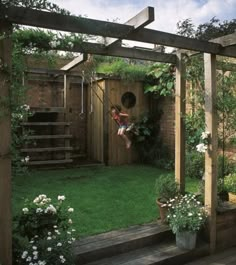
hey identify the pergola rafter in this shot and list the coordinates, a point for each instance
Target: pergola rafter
(36, 18)
(30, 17)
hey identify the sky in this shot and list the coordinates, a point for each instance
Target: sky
(167, 12)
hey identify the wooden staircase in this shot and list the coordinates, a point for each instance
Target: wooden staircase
(140, 245)
(49, 143)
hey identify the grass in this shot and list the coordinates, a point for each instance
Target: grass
(104, 199)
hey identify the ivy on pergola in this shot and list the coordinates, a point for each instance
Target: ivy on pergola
(134, 31)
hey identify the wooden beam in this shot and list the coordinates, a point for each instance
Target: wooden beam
(135, 53)
(226, 40)
(36, 18)
(180, 108)
(143, 18)
(211, 154)
(5, 150)
(78, 60)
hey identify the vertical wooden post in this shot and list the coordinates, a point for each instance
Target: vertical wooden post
(67, 127)
(211, 154)
(5, 159)
(105, 124)
(180, 103)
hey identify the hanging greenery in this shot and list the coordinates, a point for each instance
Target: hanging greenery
(160, 79)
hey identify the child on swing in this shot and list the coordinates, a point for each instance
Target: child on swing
(121, 119)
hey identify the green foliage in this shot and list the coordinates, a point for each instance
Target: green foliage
(36, 4)
(43, 233)
(160, 79)
(206, 31)
(166, 187)
(186, 213)
(194, 165)
(122, 69)
(225, 166)
(37, 41)
(147, 142)
(230, 182)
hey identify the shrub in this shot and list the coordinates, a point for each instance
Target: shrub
(43, 233)
(166, 187)
(194, 165)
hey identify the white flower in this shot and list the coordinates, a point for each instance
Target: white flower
(68, 232)
(59, 244)
(35, 253)
(25, 210)
(70, 44)
(53, 44)
(49, 249)
(29, 259)
(190, 214)
(70, 221)
(55, 226)
(205, 135)
(42, 262)
(49, 233)
(39, 210)
(73, 230)
(34, 247)
(50, 209)
(49, 238)
(61, 197)
(24, 254)
(71, 210)
(201, 148)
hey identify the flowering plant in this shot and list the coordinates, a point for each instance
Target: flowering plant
(186, 213)
(45, 228)
(202, 147)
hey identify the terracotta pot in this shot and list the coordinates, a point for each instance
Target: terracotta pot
(162, 210)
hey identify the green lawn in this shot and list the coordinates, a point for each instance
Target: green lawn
(104, 198)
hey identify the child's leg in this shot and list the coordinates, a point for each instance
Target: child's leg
(121, 133)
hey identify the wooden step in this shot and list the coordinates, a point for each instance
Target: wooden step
(165, 253)
(46, 123)
(47, 109)
(117, 242)
(41, 137)
(49, 162)
(46, 149)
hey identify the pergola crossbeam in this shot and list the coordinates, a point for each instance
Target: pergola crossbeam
(227, 40)
(30, 17)
(143, 18)
(135, 53)
(78, 60)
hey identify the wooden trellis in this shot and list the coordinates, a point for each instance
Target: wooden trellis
(132, 30)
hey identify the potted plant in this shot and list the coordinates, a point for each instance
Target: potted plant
(186, 216)
(230, 183)
(166, 188)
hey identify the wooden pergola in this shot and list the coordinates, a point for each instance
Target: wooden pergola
(113, 33)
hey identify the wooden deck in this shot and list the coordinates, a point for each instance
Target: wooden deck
(226, 257)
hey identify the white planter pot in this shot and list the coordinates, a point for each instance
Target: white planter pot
(186, 240)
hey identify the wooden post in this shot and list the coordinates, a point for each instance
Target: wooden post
(66, 108)
(106, 124)
(180, 102)
(5, 139)
(211, 154)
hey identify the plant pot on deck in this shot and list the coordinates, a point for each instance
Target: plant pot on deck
(163, 209)
(186, 240)
(232, 197)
